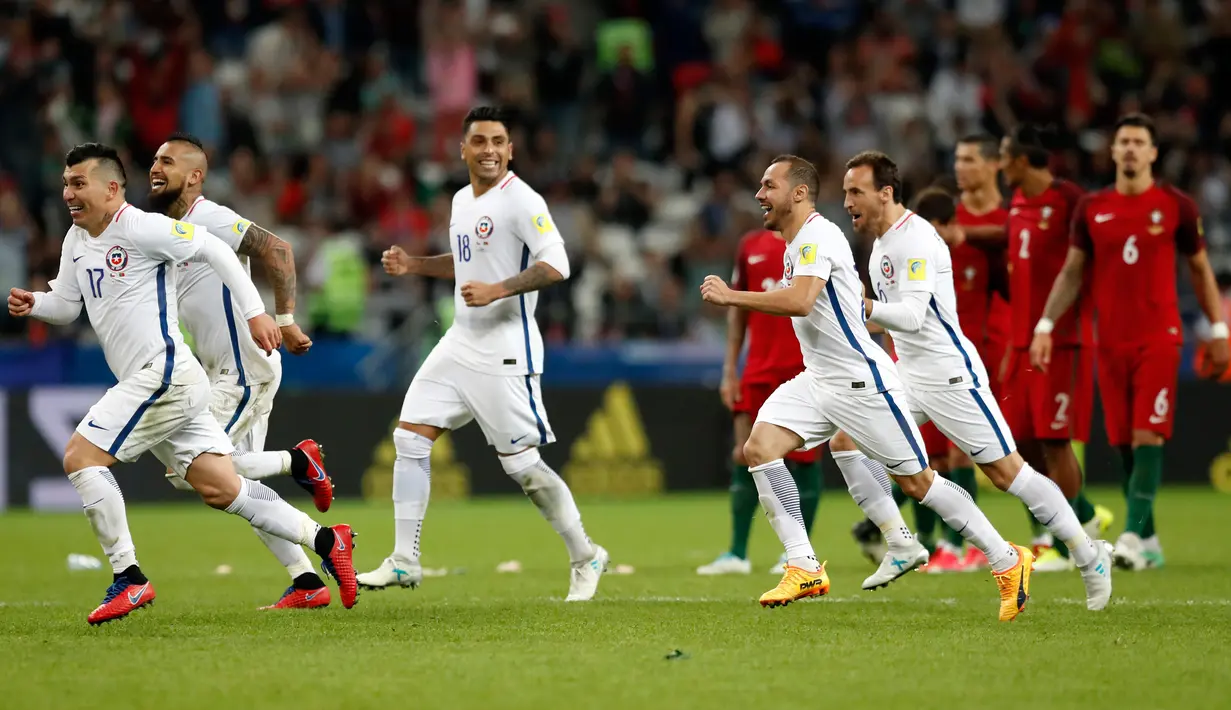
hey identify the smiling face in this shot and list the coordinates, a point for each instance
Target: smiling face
(487, 150)
(89, 191)
(778, 196)
(863, 202)
(177, 165)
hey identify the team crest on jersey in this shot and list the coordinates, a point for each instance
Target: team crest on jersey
(483, 228)
(1046, 216)
(117, 259)
(788, 269)
(1156, 220)
(886, 267)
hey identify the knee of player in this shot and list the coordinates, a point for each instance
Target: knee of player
(215, 482)
(1002, 471)
(842, 442)
(756, 451)
(80, 454)
(916, 486)
(737, 454)
(1145, 437)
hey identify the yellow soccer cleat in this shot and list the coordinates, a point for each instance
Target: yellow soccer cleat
(797, 584)
(1050, 560)
(1014, 585)
(1098, 526)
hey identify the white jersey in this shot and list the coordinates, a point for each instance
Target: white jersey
(125, 278)
(216, 323)
(911, 257)
(837, 349)
(494, 237)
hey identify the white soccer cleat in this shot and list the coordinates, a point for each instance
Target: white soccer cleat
(896, 563)
(1097, 577)
(725, 564)
(779, 569)
(583, 579)
(392, 573)
(1130, 553)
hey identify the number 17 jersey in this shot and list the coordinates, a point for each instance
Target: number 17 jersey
(494, 237)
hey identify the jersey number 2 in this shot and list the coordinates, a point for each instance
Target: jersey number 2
(96, 282)
(463, 247)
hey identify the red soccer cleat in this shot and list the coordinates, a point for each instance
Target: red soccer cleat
(341, 566)
(317, 482)
(123, 598)
(294, 598)
(974, 559)
(943, 560)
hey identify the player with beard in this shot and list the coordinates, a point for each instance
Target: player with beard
(1126, 236)
(243, 378)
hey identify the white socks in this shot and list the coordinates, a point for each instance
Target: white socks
(550, 494)
(262, 464)
(412, 485)
(104, 507)
(1048, 506)
(289, 555)
(261, 506)
(780, 498)
(959, 512)
(869, 484)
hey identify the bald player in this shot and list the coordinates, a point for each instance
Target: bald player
(243, 378)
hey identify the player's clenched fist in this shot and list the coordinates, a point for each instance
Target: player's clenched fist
(714, 290)
(477, 294)
(265, 332)
(20, 302)
(395, 261)
(295, 340)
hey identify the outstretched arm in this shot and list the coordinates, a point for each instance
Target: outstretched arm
(399, 263)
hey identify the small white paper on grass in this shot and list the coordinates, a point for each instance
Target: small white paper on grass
(509, 567)
(435, 571)
(222, 569)
(623, 569)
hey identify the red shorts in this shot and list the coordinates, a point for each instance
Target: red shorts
(1052, 405)
(991, 352)
(1137, 385)
(752, 396)
(934, 443)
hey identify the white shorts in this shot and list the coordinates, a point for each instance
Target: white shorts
(143, 414)
(509, 409)
(243, 410)
(877, 422)
(970, 418)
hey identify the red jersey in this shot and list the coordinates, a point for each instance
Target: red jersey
(1131, 242)
(773, 349)
(972, 279)
(1038, 246)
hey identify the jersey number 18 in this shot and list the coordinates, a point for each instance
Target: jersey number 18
(463, 247)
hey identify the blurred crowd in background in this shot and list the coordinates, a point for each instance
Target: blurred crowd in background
(645, 123)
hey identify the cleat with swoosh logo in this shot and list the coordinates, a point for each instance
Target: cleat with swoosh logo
(1014, 584)
(317, 482)
(340, 564)
(294, 598)
(122, 598)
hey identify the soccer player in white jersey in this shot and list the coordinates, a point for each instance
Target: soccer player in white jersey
(849, 384)
(505, 248)
(912, 276)
(243, 378)
(118, 262)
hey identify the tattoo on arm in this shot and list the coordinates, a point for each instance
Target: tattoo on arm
(279, 263)
(437, 267)
(538, 275)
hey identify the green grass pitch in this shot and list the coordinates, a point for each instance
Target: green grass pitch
(482, 639)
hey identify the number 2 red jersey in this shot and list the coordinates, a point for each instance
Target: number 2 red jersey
(1038, 246)
(972, 278)
(773, 349)
(1131, 241)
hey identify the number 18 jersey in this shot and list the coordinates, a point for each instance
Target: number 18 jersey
(494, 237)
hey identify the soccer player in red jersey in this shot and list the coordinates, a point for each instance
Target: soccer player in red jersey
(773, 358)
(1046, 410)
(1128, 235)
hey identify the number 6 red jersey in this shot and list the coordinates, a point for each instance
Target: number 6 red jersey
(1131, 241)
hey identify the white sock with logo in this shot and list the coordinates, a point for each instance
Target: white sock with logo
(412, 486)
(1048, 506)
(869, 484)
(955, 507)
(257, 465)
(780, 497)
(290, 555)
(103, 504)
(551, 495)
(265, 509)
